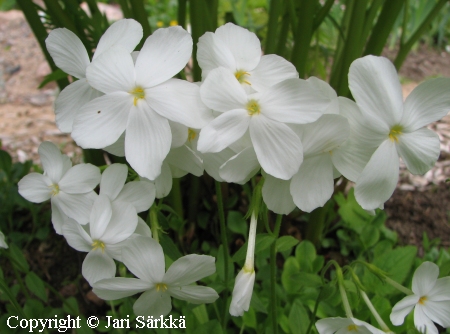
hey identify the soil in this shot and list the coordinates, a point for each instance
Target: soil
(419, 205)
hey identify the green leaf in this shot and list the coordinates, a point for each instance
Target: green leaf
(212, 326)
(54, 76)
(18, 259)
(33, 309)
(169, 247)
(36, 285)
(288, 276)
(201, 314)
(249, 318)
(236, 223)
(369, 236)
(84, 327)
(257, 304)
(5, 162)
(70, 306)
(298, 318)
(305, 253)
(285, 243)
(263, 241)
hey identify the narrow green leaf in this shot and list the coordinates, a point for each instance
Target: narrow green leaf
(169, 247)
(18, 259)
(5, 162)
(54, 76)
(236, 223)
(286, 242)
(36, 285)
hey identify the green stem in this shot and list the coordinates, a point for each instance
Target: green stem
(398, 286)
(5, 289)
(22, 286)
(276, 7)
(154, 226)
(345, 303)
(182, 13)
(177, 201)
(315, 226)
(323, 12)
(139, 13)
(316, 307)
(372, 309)
(273, 275)
(125, 9)
(405, 48)
(404, 23)
(223, 233)
(194, 195)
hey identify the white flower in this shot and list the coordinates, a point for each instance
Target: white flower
(144, 257)
(243, 285)
(109, 225)
(312, 186)
(345, 326)
(69, 188)
(141, 194)
(140, 98)
(3, 243)
(277, 147)
(431, 300)
(397, 128)
(69, 54)
(239, 51)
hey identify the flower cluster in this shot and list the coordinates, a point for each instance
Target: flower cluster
(251, 113)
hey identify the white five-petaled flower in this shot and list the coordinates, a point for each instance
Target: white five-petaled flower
(144, 257)
(345, 326)
(430, 301)
(140, 98)
(243, 285)
(69, 188)
(239, 51)
(277, 147)
(70, 55)
(392, 128)
(109, 225)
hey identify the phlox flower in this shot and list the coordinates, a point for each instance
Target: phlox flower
(144, 257)
(239, 51)
(70, 55)
(345, 326)
(140, 97)
(69, 188)
(277, 147)
(245, 280)
(109, 225)
(397, 129)
(430, 300)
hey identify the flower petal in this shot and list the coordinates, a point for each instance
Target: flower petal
(332, 325)
(212, 53)
(119, 287)
(422, 322)
(402, 309)
(177, 100)
(375, 86)
(179, 134)
(419, 150)
(144, 257)
(80, 179)
(58, 218)
(76, 206)
(328, 91)
(441, 290)
(223, 131)
(277, 147)
(242, 293)
(143, 229)
(194, 294)
(97, 266)
(147, 141)
(68, 52)
(141, 194)
(189, 269)
(35, 187)
(378, 179)
(76, 236)
(113, 180)
(312, 186)
(123, 222)
(271, 70)
(100, 216)
(163, 183)
(293, 101)
(164, 54)
(185, 159)
(112, 71)
(222, 92)
(243, 44)
(102, 121)
(153, 303)
(126, 33)
(213, 161)
(277, 196)
(52, 160)
(427, 103)
(425, 278)
(72, 98)
(117, 148)
(241, 167)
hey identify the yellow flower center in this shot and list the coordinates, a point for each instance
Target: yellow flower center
(422, 300)
(191, 134)
(98, 244)
(55, 189)
(253, 107)
(138, 93)
(241, 76)
(173, 23)
(161, 286)
(352, 328)
(395, 132)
